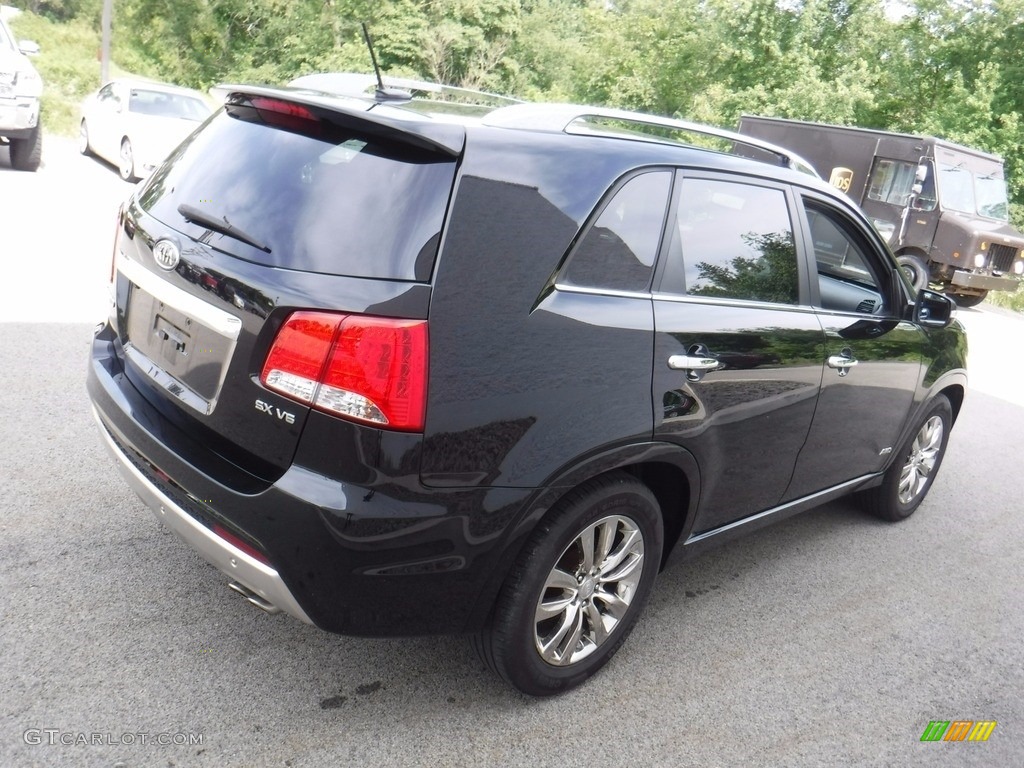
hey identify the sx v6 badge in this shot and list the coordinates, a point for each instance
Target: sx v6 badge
(288, 418)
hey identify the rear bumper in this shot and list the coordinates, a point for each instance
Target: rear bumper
(384, 557)
(242, 567)
(984, 282)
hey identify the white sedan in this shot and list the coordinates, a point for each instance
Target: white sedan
(135, 124)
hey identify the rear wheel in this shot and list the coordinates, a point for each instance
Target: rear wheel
(915, 268)
(577, 588)
(907, 481)
(126, 161)
(967, 302)
(27, 153)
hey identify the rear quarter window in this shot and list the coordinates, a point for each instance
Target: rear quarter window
(322, 198)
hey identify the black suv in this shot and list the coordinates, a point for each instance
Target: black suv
(400, 368)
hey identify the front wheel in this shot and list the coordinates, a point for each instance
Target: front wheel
(965, 301)
(577, 588)
(27, 153)
(908, 480)
(916, 270)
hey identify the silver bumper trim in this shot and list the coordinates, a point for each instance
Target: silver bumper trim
(239, 566)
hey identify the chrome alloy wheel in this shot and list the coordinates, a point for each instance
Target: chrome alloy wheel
(589, 590)
(924, 452)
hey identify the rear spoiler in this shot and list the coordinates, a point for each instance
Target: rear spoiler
(365, 116)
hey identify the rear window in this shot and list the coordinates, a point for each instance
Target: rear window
(319, 197)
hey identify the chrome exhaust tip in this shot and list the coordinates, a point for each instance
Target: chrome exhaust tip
(252, 597)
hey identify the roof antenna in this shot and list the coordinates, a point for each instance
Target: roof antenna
(383, 94)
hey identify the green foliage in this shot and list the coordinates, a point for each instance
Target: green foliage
(951, 68)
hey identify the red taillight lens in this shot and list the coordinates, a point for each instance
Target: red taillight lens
(297, 357)
(369, 369)
(241, 544)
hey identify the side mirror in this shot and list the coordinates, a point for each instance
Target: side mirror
(28, 47)
(933, 310)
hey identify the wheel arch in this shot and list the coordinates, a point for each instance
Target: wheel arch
(955, 394)
(911, 250)
(669, 471)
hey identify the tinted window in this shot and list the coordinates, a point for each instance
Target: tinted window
(322, 198)
(619, 250)
(846, 276)
(733, 241)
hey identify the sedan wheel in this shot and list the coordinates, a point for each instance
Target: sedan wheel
(126, 161)
(577, 588)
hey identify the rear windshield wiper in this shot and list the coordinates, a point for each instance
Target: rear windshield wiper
(222, 225)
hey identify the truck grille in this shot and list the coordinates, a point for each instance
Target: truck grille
(1001, 256)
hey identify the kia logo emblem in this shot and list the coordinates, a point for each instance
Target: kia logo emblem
(166, 254)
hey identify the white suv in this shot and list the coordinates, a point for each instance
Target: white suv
(20, 89)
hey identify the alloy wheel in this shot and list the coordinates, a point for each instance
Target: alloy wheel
(589, 590)
(924, 452)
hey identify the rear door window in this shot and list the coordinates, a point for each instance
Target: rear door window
(318, 197)
(732, 240)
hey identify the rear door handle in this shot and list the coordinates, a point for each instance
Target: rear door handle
(691, 363)
(697, 361)
(843, 362)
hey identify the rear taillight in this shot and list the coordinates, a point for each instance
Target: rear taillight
(368, 369)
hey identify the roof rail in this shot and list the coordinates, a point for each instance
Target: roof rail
(572, 119)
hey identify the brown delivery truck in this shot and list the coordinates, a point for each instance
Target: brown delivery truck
(943, 207)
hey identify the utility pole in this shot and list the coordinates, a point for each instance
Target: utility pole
(108, 11)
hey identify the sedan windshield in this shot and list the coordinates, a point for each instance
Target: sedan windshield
(972, 193)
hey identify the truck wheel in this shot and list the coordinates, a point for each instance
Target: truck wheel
(966, 302)
(577, 588)
(911, 475)
(26, 153)
(914, 268)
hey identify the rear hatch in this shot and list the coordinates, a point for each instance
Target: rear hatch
(286, 211)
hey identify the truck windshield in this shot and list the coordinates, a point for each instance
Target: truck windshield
(976, 194)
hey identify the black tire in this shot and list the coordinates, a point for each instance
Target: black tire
(624, 519)
(126, 161)
(27, 153)
(969, 301)
(915, 268)
(916, 464)
(83, 139)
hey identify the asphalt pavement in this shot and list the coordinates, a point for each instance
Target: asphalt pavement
(829, 639)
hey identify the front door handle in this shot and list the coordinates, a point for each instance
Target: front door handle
(843, 362)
